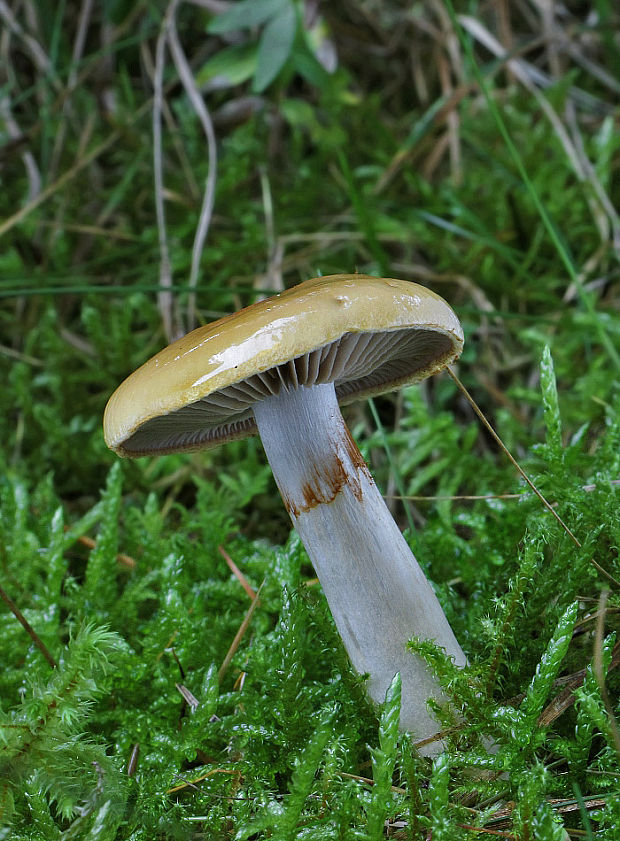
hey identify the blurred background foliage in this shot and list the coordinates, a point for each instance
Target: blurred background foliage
(165, 164)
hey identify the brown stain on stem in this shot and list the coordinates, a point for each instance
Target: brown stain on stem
(326, 479)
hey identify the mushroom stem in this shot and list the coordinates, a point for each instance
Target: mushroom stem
(377, 593)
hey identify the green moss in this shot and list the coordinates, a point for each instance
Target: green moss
(138, 732)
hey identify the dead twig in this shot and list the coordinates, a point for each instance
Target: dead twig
(523, 474)
(124, 560)
(165, 298)
(27, 627)
(206, 211)
(232, 566)
(239, 636)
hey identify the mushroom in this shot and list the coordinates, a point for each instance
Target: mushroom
(280, 368)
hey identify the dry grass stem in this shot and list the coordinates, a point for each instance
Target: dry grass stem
(30, 164)
(27, 627)
(78, 50)
(239, 636)
(232, 566)
(368, 781)
(122, 559)
(190, 699)
(524, 475)
(67, 176)
(601, 207)
(201, 110)
(37, 53)
(452, 122)
(597, 668)
(192, 783)
(165, 299)
(275, 251)
(566, 698)
(505, 495)
(174, 131)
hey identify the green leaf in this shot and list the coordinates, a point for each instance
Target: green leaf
(308, 66)
(246, 14)
(230, 66)
(274, 47)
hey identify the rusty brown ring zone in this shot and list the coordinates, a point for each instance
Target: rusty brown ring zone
(343, 467)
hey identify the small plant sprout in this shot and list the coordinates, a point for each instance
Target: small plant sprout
(280, 368)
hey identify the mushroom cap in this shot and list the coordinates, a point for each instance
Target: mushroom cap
(366, 334)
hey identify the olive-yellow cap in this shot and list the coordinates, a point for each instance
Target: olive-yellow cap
(366, 334)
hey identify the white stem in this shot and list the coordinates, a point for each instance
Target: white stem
(377, 593)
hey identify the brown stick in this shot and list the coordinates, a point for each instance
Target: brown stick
(232, 566)
(28, 627)
(239, 636)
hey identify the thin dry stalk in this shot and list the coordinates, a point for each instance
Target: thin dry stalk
(78, 50)
(601, 207)
(38, 55)
(192, 783)
(64, 92)
(188, 696)
(27, 627)
(450, 41)
(523, 474)
(566, 697)
(546, 9)
(506, 495)
(124, 560)
(13, 129)
(60, 182)
(173, 129)
(452, 122)
(232, 566)
(165, 299)
(15, 133)
(436, 154)
(273, 278)
(367, 781)
(239, 635)
(576, 52)
(95, 230)
(21, 357)
(458, 497)
(132, 762)
(504, 28)
(597, 668)
(496, 833)
(201, 110)
(418, 72)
